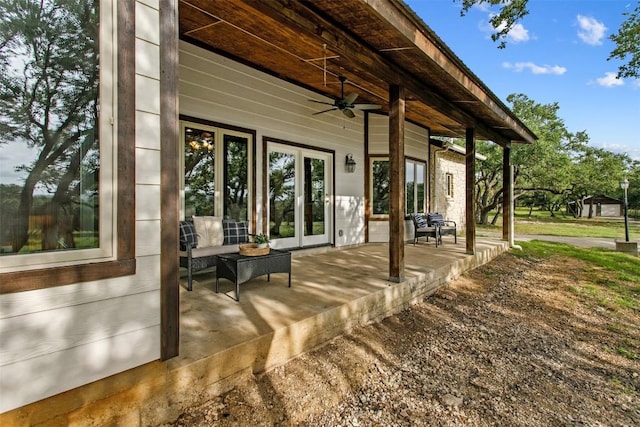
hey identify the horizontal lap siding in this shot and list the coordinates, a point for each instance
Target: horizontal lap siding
(221, 90)
(60, 338)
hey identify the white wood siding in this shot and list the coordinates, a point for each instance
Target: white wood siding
(218, 89)
(60, 338)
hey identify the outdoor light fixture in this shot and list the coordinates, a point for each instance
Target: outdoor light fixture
(350, 164)
(624, 184)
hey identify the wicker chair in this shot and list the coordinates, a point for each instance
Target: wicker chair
(445, 227)
(422, 229)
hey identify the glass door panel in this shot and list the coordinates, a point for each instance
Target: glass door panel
(299, 196)
(316, 200)
(236, 178)
(282, 197)
(199, 171)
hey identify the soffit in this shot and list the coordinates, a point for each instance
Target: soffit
(373, 44)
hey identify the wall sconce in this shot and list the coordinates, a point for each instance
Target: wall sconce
(350, 164)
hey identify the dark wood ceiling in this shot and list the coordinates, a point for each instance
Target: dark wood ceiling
(373, 44)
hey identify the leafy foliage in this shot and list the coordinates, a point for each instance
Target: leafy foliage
(49, 103)
(627, 39)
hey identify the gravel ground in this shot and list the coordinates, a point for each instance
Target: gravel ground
(511, 343)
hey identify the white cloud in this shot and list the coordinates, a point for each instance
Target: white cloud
(610, 79)
(591, 30)
(535, 69)
(517, 34)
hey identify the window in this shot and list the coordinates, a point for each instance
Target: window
(58, 207)
(415, 189)
(216, 170)
(449, 177)
(379, 186)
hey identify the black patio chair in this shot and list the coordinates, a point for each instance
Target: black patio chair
(422, 229)
(445, 227)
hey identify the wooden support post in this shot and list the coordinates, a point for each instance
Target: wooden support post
(470, 168)
(396, 183)
(169, 270)
(507, 186)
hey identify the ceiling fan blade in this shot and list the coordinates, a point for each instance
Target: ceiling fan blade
(322, 102)
(347, 112)
(350, 98)
(367, 106)
(325, 111)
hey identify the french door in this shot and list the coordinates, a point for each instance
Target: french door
(299, 196)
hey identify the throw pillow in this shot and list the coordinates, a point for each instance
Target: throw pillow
(188, 235)
(208, 230)
(235, 232)
(420, 221)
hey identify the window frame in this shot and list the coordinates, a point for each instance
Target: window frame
(372, 159)
(122, 82)
(220, 130)
(449, 190)
(416, 163)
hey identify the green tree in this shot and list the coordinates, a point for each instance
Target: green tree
(48, 101)
(541, 168)
(627, 39)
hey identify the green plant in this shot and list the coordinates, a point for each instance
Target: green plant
(261, 239)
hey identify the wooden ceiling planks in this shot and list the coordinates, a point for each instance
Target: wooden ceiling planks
(290, 39)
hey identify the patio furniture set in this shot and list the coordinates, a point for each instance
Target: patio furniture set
(432, 225)
(212, 242)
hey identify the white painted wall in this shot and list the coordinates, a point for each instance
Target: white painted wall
(221, 90)
(60, 338)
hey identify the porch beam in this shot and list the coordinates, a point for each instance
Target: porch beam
(396, 183)
(507, 194)
(369, 62)
(470, 169)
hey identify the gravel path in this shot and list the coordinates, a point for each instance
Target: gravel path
(514, 344)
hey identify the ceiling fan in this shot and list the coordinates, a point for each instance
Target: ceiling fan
(345, 103)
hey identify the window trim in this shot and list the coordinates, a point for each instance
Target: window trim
(375, 158)
(449, 190)
(222, 129)
(416, 162)
(125, 262)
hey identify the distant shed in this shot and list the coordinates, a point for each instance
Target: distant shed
(602, 206)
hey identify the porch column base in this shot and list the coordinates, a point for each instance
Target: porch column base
(396, 279)
(630, 248)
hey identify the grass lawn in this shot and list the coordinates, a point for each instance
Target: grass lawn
(540, 222)
(611, 283)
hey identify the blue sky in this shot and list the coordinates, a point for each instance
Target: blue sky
(558, 53)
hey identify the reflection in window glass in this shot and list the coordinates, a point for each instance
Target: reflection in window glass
(281, 195)
(314, 194)
(199, 172)
(420, 189)
(236, 177)
(49, 146)
(410, 181)
(380, 187)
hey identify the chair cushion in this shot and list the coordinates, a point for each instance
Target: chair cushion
(235, 232)
(420, 221)
(435, 218)
(209, 230)
(188, 235)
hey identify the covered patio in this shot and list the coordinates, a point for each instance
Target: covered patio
(332, 291)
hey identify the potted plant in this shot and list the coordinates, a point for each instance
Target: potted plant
(261, 240)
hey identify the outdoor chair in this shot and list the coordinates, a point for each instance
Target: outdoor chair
(422, 229)
(445, 227)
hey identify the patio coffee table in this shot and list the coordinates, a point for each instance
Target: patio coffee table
(241, 268)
